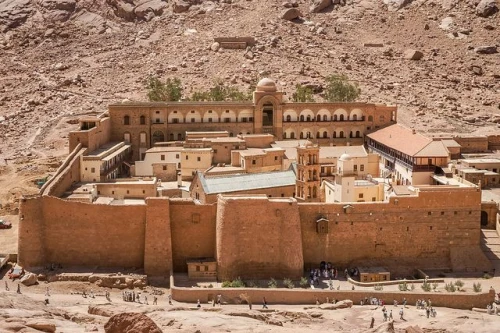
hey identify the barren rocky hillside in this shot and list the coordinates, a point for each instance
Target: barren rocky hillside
(438, 60)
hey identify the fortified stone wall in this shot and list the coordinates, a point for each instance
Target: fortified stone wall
(67, 174)
(76, 233)
(274, 192)
(494, 142)
(158, 243)
(193, 231)
(258, 238)
(406, 231)
(472, 144)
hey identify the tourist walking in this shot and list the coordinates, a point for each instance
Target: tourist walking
(6, 286)
(401, 313)
(264, 303)
(155, 300)
(169, 299)
(18, 288)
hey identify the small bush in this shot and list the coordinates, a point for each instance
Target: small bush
(450, 287)
(426, 286)
(272, 283)
(288, 283)
(226, 284)
(412, 287)
(252, 284)
(339, 89)
(459, 284)
(378, 287)
(434, 286)
(210, 285)
(477, 287)
(238, 283)
(403, 286)
(158, 91)
(487, 276)
(304, 282)
(302, 94)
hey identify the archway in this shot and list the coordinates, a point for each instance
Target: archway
(267, 114)
(484, 218)
(158, 136)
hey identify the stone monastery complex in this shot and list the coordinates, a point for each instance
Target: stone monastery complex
(260, 189)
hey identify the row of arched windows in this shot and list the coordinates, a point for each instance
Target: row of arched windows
(322, 135)
(288, 118)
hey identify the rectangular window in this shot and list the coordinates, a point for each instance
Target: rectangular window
(209, 120)
(198, 159)
(209, 111)
(177, 156)
(250, 119)
(374, 199)
(157, 120)
(361, 195)
(355, 167)
(92, 170)
(254, 162)
(175, 121)
(226, 120)
(244, 119)
(192, 120)
(362, 167)
(162, 157)
(275, 158)
(197, 268)
(192, 111)
(164, 167)
(215, 151)
(187, 157)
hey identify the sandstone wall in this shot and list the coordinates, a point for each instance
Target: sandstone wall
(258, 238)
(407, 231)
(84, 234)
(67, 174)
(158, 242)
(193, 231)
(472, 144)
(92, 138)
(494, 142)
(31, 246)
(308, 296)
(275, 192)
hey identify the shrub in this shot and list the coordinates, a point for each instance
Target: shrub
(434, 286)
(221, 92)
(426, 286)
(302, 94)
(477, 287)
(378, 287)
(487, 276)
(238, 283)
(252, 284)
(450, 287)
(288, 283)
(304, 282)
(210, 285)
(412, 287)
(459, 284)
(272, 283)
(338, 89)
(226, 284)
(403, 286)
(158, 91)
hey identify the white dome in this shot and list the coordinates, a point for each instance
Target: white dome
(345, 157)
(266, 85)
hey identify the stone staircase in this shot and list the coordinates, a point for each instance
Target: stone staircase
(490, 244)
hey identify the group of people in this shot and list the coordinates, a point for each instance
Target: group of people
(325, 270)
(132, 296)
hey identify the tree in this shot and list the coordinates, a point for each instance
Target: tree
(302, 94)
(169, 91)
(338, 89)
(221, 92)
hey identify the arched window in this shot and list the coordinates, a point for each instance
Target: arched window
(292, 135)
(302, 118)
(341, 134)
(126, 120)
(334, 117)
(284, 135)
(325, 117)
(334, 134)
(358, 134)
(341, 117)
(308, 117)
(301, 135)
(143, 120)
(158, 136)
(354, 117)
(126, 137)
(325, 134)
(288, 118)
(370, 118)
(231, 134)
(179, 136)
(171, 136)
(318, 135)
(318, 117)
(142, 137)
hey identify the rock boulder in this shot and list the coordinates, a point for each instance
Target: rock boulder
(487, 8)
(131, 323)
(319, 5)
(291, 14)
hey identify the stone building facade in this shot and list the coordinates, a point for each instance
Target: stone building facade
(143, 124)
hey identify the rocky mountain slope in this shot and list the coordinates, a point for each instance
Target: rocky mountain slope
(438, 60)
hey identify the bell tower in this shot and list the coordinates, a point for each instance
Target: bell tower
(307, 184)
(268, 113)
